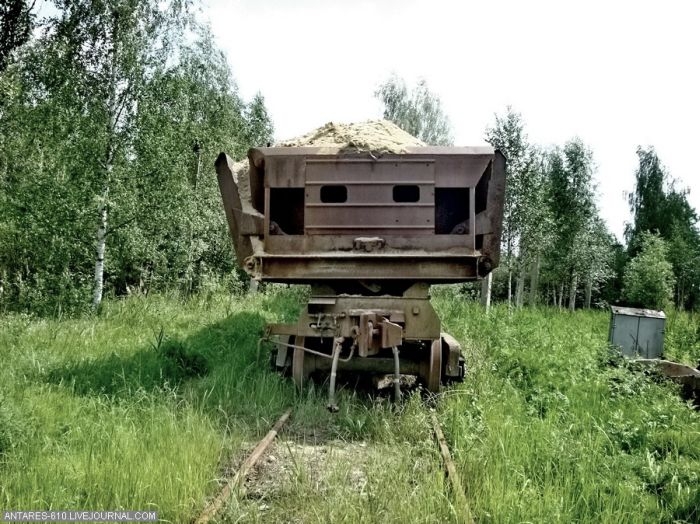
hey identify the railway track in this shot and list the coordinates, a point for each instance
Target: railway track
(235, 485)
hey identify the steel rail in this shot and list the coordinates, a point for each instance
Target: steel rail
(236, 483)
(462, 506)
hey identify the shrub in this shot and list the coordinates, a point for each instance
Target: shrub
(648, 279)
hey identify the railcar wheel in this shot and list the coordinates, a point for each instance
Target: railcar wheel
(433, 367)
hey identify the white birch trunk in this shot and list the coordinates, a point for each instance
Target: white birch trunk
(572, 292)
(107, 174)
(510, 285)
(560, 299)
(486, 291)
(520, 288)
(510, 270)
(193, 272)
(534, 280)
(589, 291)
(100, 258)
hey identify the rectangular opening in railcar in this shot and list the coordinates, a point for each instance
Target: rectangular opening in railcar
(287, 211)
(451, 210)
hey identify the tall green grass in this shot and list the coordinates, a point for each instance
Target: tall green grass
(550, 427)
(144, 406)
(682, 341)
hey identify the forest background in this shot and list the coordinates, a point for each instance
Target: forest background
(112, 114)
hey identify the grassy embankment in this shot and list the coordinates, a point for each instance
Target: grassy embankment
(141, 407)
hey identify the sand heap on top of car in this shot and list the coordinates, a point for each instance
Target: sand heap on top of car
(374, 136)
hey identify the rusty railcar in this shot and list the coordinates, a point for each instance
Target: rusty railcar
(370, 233)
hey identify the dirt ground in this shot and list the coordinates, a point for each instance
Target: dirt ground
(288, 462)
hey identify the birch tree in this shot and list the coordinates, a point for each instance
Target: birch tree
(76, 176)
(188, 247)
(595, 256)
(102, 55)
(418, 112)
(16, 23)
(572, 203)
(508, 134)
(259, 129)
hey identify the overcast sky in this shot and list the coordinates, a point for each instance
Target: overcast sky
(616, 74)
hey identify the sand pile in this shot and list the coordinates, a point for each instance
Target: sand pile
(374, 136)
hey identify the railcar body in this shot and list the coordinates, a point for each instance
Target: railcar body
(369, 233)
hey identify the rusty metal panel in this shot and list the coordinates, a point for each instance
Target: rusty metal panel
(370, 193)
(368, 268)
(338, 218)
(398, 243)
(364, 171)
(307, 236)
(452, 171)
(284, 172)
(330, 151)
(412, 311)
(282, 329)
(440, 151)
(472, 218)
(494, 208)
(377, 196)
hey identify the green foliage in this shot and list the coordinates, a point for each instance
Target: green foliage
(582, 248)
(508, 135)
(648, 279)
(259, 130)
(552, 235)
(419, 112)
(115, 410)
(113, 109)
(657, 206)
(551, 429)
(647, 201)
(571, 197)
(611, 292)
(16, 23)
(12, 427)
(527, 220)
(682, 337)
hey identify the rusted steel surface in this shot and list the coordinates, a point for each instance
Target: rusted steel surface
(244, 222)
(422, 268)
(434, 211)
(370, 233)
(670, 369)
(414, 315)
(687, 376)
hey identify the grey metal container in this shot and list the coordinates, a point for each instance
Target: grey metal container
(637, 332)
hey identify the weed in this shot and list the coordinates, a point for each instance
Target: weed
(145, 405)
